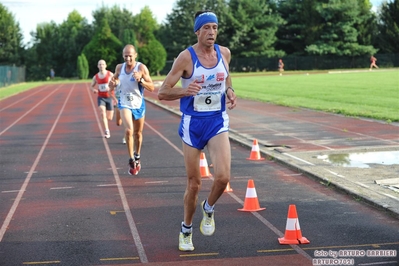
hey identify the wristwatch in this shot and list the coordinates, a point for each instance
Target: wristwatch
(229, 87)
(141, 80)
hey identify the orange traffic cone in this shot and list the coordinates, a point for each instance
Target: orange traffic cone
(293, 234)
(228, 188)
(255, 153)
(204, 166)
(251, 203)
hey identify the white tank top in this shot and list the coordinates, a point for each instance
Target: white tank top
(131, 93)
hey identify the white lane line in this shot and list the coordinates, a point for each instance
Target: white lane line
(126, 208)
(32, 169)
(55, 188)
(10, 191)
(38, 104)
(107, 185)
(231, 194)
(156, 182)
(23, 99)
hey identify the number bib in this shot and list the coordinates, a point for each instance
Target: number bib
(103, 87)
(206, 102)
(131, 100)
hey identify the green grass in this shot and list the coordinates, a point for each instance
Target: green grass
(372, 94)
(367, 94)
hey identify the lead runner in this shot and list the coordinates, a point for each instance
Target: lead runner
(206, 90)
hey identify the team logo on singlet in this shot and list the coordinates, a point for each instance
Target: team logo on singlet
(199, 79)
(220, 76)
(210, 77)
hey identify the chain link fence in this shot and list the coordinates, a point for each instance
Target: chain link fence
(298, 63)
(11, 75)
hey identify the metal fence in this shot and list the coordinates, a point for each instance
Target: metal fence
(293, 63)
(255, 64)
(11, 75)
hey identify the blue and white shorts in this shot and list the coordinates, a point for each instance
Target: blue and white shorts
(197, 131)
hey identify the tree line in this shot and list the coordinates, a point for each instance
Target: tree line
(250, 28)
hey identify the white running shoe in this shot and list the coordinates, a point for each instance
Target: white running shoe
(124, 141)
(107, 134)
(186, 242)
(207, 226)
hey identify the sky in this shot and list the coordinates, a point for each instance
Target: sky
(29, 13)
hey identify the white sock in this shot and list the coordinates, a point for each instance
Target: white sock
(186, 228)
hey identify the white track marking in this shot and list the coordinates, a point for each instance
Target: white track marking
(126, 208)
(32, 169)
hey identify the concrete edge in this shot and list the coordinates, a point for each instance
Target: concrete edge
(276, 156)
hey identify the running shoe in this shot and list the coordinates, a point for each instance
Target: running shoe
(207, 226)
(138, 166)
(107, 134)
(132, 167)
(137, 160)
(186, 241)
(124, 141)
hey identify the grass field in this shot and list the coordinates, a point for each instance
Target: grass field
(370, 94)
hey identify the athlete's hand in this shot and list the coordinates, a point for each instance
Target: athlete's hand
(95, 91)
(232, 99)
(113, 82)
(193, 89)
(137, 75)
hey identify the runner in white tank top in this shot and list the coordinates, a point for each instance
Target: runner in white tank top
(133, 78)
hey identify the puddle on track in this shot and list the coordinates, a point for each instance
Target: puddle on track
(362, 159)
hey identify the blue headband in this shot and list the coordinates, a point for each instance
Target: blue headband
(202, 19)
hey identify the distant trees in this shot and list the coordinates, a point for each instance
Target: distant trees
(82, 67)
(104, 45)
(11, 47)
(388, 26)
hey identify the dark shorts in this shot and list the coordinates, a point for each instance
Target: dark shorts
(107, 102)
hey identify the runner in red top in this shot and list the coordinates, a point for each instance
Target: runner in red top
(105, 99)
(373, 61)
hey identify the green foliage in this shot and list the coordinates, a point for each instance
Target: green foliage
(82, 67)
(253, 28)
(104, 45)
(153, 55)
(177, 33)
(129, 37)
(338, 35)
(118, 20)
(73, 34)
(389, 27)
(11, 48)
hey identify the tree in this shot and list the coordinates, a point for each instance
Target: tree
(82, 67)
(177, 33)
(104, 45)
(118, 19)
(338, 35)
(301, 25)
(150, 50)
(11, 48)
(74, 33)
(253, 28)
(43, 50)
(153, 55)
(388, 25)
(129, 37)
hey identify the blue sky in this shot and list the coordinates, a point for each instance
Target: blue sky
(29, 13)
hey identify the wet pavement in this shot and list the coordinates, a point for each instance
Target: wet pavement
(359, 157)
